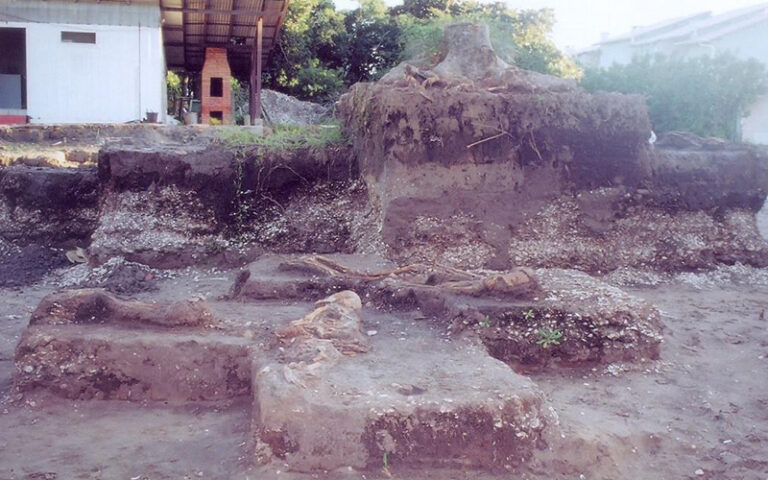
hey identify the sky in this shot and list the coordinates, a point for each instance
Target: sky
(580, 23)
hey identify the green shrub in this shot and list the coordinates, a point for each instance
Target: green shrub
(704, 95)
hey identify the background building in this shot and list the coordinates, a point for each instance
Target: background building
(742, 32)
(64, 62)
(104, 61)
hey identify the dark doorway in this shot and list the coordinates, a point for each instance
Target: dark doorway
(217, 87)
(13, 69)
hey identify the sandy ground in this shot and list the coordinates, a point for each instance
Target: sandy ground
(699, 412)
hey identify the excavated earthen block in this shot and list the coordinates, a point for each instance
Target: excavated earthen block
(414, 399)
(579, 320)
(567, 317)
(446, 405)
(104, 362)
(96, 305)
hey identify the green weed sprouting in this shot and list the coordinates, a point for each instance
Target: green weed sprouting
(547, 338)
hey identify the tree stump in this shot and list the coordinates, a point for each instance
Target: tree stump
(469, 53)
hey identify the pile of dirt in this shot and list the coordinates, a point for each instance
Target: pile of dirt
(116, 275)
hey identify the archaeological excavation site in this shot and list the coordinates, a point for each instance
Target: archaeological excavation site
(483, 273)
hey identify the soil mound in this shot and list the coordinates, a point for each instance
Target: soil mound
(474, 163)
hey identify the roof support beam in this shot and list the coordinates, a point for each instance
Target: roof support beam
(255, 99)
(184, 31)
(217, 11)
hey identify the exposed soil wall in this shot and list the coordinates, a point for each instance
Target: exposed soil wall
(51, 206)
(173, 206)
(550, 179)
(592, 140)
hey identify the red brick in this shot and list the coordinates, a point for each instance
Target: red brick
(216, 65)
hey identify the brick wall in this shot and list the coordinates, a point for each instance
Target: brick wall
(216, 66)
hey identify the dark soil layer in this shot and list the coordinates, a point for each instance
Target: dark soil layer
(21, 266)
(48, 205)
(590, 140)
(221, 177)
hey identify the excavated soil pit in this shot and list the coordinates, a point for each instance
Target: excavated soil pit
(415, 395)
(700, 407)
(471, 164)
(433, 409)
(597, 323)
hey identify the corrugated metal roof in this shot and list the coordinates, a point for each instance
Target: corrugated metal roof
(189, 26)
(640, 33)
(84, 12)
(702, 28)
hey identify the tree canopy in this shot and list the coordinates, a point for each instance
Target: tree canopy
(321, 51)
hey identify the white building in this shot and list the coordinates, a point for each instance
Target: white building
(742, 32)
(64, 62)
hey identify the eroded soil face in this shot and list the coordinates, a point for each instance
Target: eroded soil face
(699, 408)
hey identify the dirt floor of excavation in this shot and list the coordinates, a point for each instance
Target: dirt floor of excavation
(698, 413)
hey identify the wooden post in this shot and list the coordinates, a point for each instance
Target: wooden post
(255, 100)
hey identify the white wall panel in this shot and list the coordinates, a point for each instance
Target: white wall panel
(93, 83)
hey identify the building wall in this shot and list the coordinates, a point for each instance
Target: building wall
(754, 128)
(619, 53)
(750, 43)
(117, 79)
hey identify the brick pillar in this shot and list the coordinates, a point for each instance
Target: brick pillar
(216, 67)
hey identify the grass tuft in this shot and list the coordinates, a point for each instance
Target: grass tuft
(285, 137)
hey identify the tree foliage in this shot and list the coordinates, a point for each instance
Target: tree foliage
(704, 95)
(321, 51)
(173, 86)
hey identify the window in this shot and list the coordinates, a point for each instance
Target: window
(78, 37)
(217, 87)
